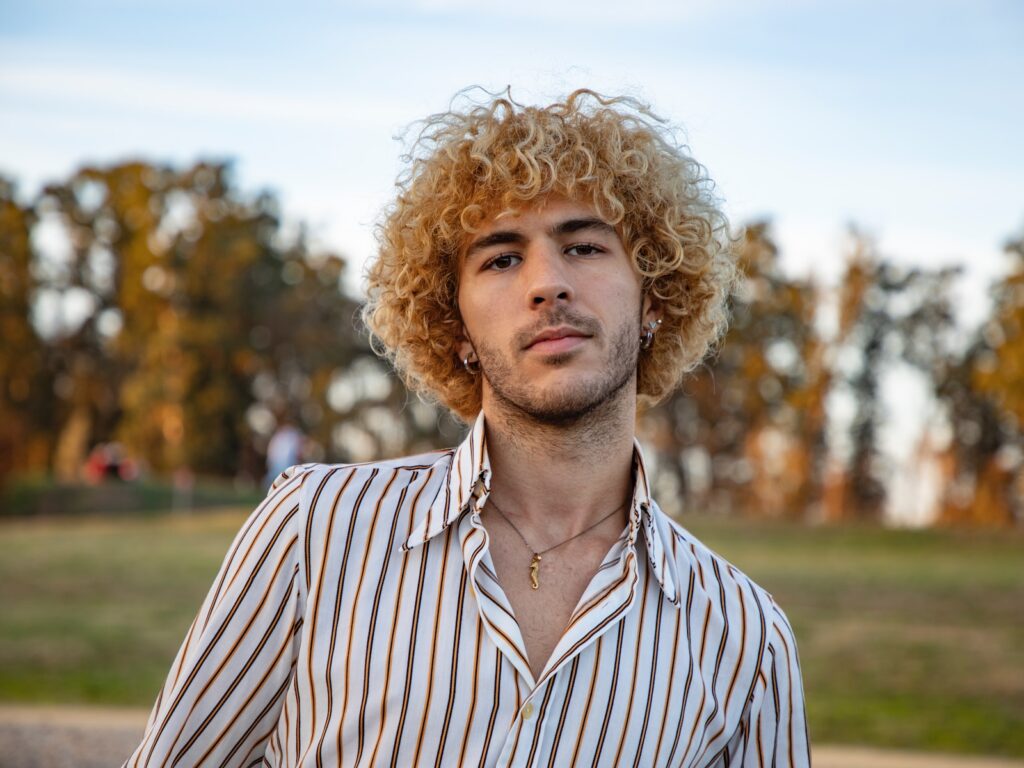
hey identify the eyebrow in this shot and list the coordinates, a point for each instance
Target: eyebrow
(578, 225)
(567, 227)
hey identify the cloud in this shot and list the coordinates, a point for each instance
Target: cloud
(164, 94)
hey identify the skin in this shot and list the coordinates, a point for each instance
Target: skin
(559, 412)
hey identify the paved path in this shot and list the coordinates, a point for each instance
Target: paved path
(73, 737)
(68, 737)
(859, 757)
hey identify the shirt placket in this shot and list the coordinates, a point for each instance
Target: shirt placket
(606, 602)
(495, 610)
(523, 747)
(503, 630)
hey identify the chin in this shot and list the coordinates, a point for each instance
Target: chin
(566, 401)
(558, 389)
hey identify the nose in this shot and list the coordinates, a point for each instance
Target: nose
(549, 282)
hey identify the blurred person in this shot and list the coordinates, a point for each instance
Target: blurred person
(285, 448)
(108, 461)
(520, 599)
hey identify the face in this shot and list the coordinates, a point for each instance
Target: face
(552, 306)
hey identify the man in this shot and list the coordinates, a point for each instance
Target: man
(520, 600)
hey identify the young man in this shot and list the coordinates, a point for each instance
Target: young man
(520, 600)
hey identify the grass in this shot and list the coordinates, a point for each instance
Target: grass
(94, 609)
(911, 639)
(41, 495)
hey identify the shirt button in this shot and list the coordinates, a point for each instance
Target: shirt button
(527, 711)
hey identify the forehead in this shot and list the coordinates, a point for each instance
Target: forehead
(552, 207)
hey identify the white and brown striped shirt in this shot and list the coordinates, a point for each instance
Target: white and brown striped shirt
(357, 621)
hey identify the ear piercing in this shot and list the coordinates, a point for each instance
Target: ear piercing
(471, 365)
(647, 337)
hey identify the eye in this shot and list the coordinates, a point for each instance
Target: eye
(584, 249)
(502, 261)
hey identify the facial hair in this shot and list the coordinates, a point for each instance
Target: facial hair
(576, 400)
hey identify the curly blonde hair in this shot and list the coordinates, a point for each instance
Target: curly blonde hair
(612, 153)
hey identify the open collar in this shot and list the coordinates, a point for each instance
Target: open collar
(469, 474)
(469, 477)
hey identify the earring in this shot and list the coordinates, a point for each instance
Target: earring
(647, 337)
(473, 366)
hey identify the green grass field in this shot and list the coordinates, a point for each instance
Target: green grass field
(907, 638)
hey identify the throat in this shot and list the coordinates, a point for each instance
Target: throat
(560, 480)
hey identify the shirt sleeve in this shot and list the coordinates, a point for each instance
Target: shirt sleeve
(223, 695)
(773, 731)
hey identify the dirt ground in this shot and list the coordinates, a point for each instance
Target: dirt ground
(71, 737)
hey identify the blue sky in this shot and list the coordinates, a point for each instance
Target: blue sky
(904, 117)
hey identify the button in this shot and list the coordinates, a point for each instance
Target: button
(527, 710)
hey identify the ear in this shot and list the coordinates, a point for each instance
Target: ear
(651, 309)
(465, 346)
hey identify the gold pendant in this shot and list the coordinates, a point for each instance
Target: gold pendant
(534, 570)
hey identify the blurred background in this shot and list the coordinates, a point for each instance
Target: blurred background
(187, 199)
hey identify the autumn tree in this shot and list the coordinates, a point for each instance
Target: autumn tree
(886, 313)
(200, 315)
(746, 431)
(23, 383)
(983, 393)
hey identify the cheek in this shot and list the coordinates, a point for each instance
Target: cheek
(468, 308)
(625, 296)
(479, 315)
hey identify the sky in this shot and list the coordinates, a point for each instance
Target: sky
(904, 118)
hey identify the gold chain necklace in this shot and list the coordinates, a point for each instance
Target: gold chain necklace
(536, 556)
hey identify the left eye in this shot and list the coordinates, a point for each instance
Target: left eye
(583, 249)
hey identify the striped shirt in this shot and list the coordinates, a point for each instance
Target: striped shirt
(357, 621)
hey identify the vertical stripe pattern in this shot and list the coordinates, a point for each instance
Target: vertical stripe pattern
(357, 621)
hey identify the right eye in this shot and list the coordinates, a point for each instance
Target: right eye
(502, 262)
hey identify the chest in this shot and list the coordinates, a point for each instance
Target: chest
(562, 577)
(416, 659)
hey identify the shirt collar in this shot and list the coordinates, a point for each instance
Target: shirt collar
(469, 476)
(647, 515)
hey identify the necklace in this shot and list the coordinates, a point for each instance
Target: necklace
(536, 556)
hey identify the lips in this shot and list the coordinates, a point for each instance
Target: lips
(557, 338)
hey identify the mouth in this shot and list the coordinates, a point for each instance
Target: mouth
(554, 340)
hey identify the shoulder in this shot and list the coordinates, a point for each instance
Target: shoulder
(329, 492)
(713, 570)
(729, 590)
(314, 478)
(339, 506)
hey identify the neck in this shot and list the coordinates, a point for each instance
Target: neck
(559, 478)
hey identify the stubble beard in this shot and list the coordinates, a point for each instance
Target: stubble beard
(569, 404)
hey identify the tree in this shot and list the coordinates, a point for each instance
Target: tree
(886, 313)
(22, 364)
(203, 318)
(745, 431)
(983, 392)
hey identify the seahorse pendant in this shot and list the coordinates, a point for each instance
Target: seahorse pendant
(534, 571)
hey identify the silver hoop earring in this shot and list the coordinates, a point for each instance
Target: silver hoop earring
(647, 337)
(472, 366)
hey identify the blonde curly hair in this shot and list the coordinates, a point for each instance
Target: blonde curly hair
(612, 153)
